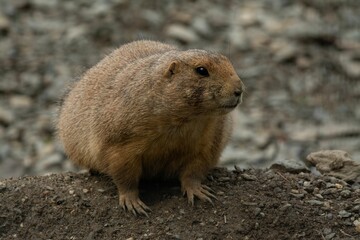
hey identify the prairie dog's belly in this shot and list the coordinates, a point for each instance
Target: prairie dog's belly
(165, 160)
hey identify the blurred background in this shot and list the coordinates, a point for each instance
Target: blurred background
(300, 61)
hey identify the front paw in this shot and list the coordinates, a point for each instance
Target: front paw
(195, 188)
(130, 201)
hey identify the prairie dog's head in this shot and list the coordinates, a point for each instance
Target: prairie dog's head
(207, 82)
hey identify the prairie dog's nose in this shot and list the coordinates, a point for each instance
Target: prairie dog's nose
(238, 92)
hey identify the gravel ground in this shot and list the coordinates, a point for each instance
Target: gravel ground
(299, 61)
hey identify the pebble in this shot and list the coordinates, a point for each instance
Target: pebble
(344, 214)
(248, 177)
(257, 211)
(4, 23)
(217, 18)
(345, 193)
(315, 202)
(237, 38)
(285, 207)
(181, 33)
(155, 18)
(330, 236)
(290, 165)
(3, 187)
(20, 101)
(327, 231)
(319, 196)
(201, 26)
(285, 53)
(306, 184)
(350, 64)
(6, 116)
(53, 160)
(357, 223)
(297, 195)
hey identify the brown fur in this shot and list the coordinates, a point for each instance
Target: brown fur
(144, 111)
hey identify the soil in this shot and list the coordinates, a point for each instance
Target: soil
(251, 204)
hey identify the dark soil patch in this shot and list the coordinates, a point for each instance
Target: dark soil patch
(252, 204)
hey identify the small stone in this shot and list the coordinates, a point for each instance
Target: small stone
(4, 23)
(330, 236)
(237, 38)
(357, 228)
(53, 160)
(339, 186)
(71, 192)
(85, 190)
(344, 214)
(357, 222)
(315, 202)
(153, 17)
(329, 191)
(6, 116)
(290, 165)
(327, 205)
(182, 33)
(3, 187)
(350, 64)
(285, 207)
(306, 184)
(356, 208)
(327, 231)
(318, 195)
(201, 26)
(217, 18)
(248, 177)
(286, 53)
(297, 195)
(257, 211)
(345, 193)
(223, 179)
(20, 101)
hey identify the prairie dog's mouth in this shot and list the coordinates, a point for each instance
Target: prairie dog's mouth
(232, 103)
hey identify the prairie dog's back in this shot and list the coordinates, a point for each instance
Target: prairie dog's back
(80, 141)
(131, 52)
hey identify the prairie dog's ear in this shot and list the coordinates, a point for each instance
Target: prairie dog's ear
(172, 69)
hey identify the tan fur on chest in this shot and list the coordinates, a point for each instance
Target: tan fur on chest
(176, 146)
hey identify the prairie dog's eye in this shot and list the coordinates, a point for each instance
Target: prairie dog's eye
(202, 71)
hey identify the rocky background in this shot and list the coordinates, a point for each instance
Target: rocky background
(300, 61)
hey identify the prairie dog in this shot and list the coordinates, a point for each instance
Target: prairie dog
(149, 109)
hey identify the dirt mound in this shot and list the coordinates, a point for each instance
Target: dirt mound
(252, 204)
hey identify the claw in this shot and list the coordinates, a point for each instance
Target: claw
(202, 192)
(132, 203)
